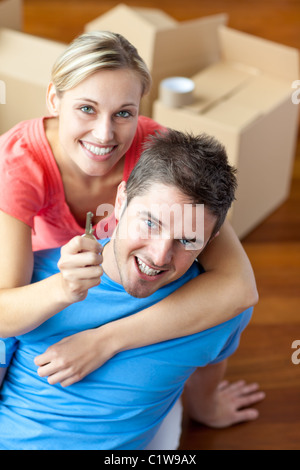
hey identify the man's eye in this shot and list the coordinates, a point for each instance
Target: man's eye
(87, 109)
(189, 244)
(193, 244)
(185, 242)
(149, 223)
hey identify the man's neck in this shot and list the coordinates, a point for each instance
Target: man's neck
(109, 264)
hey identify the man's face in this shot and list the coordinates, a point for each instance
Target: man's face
(158, 237)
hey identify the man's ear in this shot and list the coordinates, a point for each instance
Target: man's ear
(121, 200)
(52, 100)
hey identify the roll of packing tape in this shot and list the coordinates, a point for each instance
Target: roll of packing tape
(176, 91)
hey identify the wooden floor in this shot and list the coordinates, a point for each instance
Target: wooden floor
(273, 247)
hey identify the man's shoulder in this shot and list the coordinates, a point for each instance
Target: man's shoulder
(45, 263)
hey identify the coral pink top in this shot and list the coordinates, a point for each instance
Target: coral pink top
(31, 187)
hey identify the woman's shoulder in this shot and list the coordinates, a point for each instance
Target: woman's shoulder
(147, 125)
(24, 144)
(145, 128)
(26, 159)
(21, 129)
(24, 137)
(28, 174)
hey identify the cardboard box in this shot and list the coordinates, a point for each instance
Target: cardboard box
(11, 14)
(167, 46)
(244, 99)
(25, 67)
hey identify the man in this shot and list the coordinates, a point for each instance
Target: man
(173, 205)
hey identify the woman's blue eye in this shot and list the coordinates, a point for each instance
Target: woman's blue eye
(123, 114)
(87, 109)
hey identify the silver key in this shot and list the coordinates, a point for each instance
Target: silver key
(89, 226)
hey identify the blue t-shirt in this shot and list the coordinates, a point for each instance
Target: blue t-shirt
(121, 404)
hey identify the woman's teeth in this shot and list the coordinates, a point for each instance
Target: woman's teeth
(97, 150)
(146, 269)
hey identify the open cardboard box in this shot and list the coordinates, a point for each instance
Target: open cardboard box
(25, 67)
(167, 46)
(244, 99)
(11, 14)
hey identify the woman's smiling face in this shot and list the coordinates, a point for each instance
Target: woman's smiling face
(98, 119)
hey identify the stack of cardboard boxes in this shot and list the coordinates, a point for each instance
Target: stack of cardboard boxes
(245, 99)
(25, 67)
(242, 96)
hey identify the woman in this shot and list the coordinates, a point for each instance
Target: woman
(53, 171)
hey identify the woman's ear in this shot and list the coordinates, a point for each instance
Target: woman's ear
(121, 200)
(52, 100)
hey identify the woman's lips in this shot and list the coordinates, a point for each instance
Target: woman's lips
(97, 152)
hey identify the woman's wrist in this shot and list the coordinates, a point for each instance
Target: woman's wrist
(108, 339)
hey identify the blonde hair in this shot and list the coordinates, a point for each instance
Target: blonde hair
(96, 51)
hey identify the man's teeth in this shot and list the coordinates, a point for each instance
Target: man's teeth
(146, 269)
(97, 150)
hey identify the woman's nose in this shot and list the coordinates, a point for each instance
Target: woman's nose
(103, 129)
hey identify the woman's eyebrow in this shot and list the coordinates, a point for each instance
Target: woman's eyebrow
(86, 99)
(83, 98)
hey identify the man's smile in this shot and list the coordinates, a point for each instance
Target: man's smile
(144, 268)
(148, 272)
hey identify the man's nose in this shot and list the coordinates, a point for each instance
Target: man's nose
(103, 129)
(161, 252)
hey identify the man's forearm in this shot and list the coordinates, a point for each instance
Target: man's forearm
(201, 387)
(215, 402)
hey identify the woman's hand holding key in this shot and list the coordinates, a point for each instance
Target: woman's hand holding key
(80, 267)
